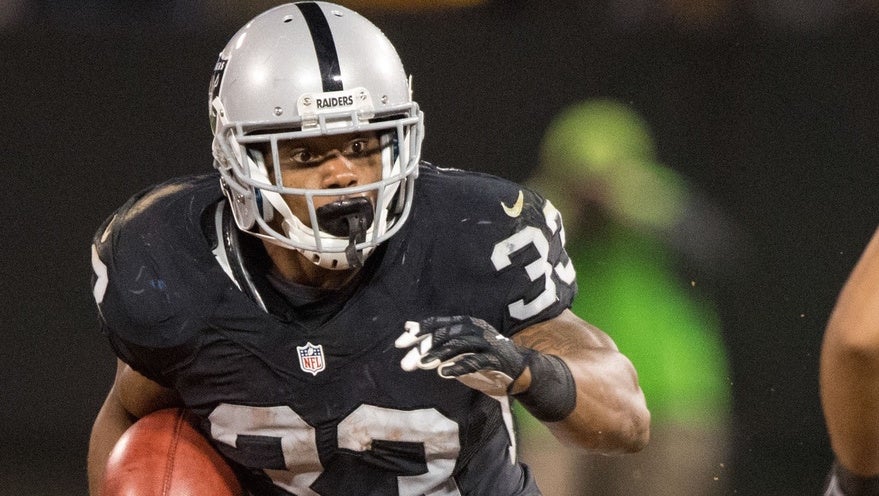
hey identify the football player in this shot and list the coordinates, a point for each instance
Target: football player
(849, 379)
(338, 326)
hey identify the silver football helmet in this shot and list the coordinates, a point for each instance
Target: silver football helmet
(302, 70)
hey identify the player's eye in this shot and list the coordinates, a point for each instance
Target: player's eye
(358, 147)
(303, 156)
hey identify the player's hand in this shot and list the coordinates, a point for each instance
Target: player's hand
(464, 348)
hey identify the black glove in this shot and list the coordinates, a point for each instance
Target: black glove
(464, 348)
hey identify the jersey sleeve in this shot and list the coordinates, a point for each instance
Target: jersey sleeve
(500, 253)
(113, 317)
(842, 482)
(532, 263)
(148, 279)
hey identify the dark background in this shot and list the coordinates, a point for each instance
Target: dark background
(769, 107)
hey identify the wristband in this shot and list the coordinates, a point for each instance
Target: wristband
(552, 395)
(855, 484)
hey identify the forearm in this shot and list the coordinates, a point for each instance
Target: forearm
(609, 414)
(849, 372)
(110, 424)
(851, 408)
(131, 397)
(850, 368)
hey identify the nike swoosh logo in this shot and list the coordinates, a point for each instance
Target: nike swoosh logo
(516, 209)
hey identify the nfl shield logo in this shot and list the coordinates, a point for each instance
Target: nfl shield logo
(311, 358)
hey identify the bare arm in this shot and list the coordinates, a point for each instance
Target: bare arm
(850, 368)
(131, 397)
(610, 414)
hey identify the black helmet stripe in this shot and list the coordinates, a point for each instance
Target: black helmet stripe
(324, 45)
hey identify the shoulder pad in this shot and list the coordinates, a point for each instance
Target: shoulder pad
(155, 276)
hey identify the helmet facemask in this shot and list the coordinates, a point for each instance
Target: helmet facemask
(349, 228)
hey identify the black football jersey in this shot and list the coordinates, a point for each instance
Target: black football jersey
(310, 406)
(842, 482)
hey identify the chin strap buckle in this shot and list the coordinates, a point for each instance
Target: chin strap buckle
(349, 217)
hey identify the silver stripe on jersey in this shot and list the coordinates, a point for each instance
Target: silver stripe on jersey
(507, 414)
(833, 488)
(220, 250)
(228, 252)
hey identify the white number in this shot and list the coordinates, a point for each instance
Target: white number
(438, 433)
(356, 432)
(101, 272)
(500, 257)
(530, 235)
(298, 442)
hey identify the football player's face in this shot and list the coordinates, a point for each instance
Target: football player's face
(327, 162)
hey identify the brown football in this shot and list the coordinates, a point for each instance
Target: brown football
(163, 454)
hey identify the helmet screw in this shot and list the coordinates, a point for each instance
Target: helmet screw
(278, 111)
(338, 13)
(385, 98)
(306, 101)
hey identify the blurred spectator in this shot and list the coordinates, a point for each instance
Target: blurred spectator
(622, 210)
